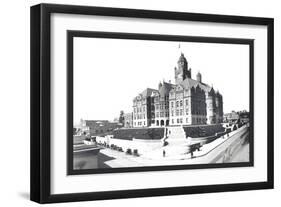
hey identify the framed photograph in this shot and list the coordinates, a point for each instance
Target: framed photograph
(132, 103)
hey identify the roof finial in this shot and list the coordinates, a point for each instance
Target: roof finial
(159, 85)
(199, 77)
(179, 47)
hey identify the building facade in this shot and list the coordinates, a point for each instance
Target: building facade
(128, 120)
(236, 116)
(186, 102)
(96, 127)
(143, 108)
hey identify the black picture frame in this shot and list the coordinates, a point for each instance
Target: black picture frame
(154, 37)
(40, 186)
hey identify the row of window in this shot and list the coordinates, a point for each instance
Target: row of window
(140, 123)
(139, 109)
(139, 116)
(195, 102)
(199, 112)
(157, 99)
(161, 106)
(162, 114)
(194, 120)
(140, 100)
(178, 89)
(101, 130)
(196, 109)
(179, 103)
(178, 112)
(166, 106)
(178, 121)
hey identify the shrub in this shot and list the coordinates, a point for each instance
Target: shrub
(135, 152)
(129, 151)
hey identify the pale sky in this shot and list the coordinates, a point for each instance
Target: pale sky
(109, 73)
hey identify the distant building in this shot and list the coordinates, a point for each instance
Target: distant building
(244, 116)
(231, 117)
(97, 127)
(81, 128)
(186, 102)
(237, 116)
(143, 108)
(128, 120)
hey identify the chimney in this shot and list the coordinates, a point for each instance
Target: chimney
(199, 77)
(159, 85)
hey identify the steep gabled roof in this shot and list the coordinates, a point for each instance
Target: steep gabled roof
(148, 92)
(188, 83)
(165, 89)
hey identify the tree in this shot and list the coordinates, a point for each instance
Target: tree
(121, 117)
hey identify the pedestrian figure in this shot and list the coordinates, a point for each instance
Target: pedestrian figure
(191, 154)
(164, 153)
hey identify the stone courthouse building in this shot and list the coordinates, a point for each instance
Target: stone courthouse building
(186, 102)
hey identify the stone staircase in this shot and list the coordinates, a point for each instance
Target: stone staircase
(176, 133)
(175, 136)
(176, 141)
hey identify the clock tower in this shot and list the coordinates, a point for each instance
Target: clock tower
(182, 72)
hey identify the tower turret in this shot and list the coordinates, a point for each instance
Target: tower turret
(159, 85)
(182, 72)
(211, 106)
(199, 77)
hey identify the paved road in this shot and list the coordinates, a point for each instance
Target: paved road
(227, 150)
(242, 155)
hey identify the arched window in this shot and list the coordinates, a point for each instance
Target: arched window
(181, 103)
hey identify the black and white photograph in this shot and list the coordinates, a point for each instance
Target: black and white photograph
(140, 102)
